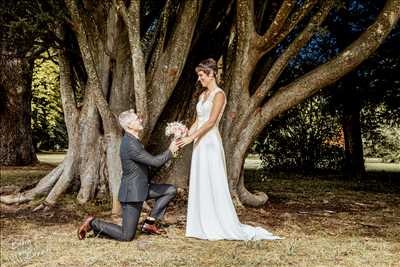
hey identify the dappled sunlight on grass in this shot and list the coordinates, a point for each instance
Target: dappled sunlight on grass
(55, 246)
(325, 220)
(51, 157)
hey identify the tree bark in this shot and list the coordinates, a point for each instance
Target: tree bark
(354, 156)
(16, 147)
(208, 41)
(245, 121)
(106, 51)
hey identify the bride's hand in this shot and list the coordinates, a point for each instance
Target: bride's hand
(184, 141)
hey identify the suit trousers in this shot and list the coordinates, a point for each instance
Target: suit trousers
(162, 193)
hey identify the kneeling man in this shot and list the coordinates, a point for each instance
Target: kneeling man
(135, 186)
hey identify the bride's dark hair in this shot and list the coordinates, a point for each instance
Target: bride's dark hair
(207, 66)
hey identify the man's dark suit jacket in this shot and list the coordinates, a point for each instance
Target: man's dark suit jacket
(135, 161)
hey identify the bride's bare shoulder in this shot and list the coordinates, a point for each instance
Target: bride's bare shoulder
(220, 91)
(219, 96)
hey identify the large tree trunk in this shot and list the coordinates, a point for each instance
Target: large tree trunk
(113, 82)
(249, 111)
(16, 147)
(354, 156)
(208, 41)
(116, 81)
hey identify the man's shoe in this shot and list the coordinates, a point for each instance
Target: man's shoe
(151, 229)
(84, 228)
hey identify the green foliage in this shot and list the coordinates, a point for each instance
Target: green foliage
(305, 138)
(381, 132)
(48, 127)
(29, 24)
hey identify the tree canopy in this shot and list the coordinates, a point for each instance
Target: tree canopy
(124, 55)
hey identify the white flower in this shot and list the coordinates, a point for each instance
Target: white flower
(177, 129)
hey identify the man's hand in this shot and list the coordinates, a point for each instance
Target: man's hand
(173, 147)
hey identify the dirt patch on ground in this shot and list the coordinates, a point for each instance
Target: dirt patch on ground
(43, 166)
(325, 222)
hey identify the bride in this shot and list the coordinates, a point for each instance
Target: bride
(211, 214)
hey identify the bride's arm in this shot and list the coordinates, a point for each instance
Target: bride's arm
(218, 103)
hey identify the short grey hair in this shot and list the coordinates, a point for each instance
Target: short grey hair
(125, 118)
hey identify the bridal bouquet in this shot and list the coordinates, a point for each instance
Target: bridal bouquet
(176, 129)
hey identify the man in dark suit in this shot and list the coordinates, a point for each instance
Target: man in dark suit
(135, 186)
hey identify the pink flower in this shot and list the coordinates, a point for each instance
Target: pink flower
(177, 129)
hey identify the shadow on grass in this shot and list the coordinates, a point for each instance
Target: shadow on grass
(331, 203)
(323, 203)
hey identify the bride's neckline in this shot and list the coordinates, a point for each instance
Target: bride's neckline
(206, 99)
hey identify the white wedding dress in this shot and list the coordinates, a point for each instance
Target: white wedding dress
(211, 214)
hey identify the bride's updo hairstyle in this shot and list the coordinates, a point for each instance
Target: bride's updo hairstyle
(208, 66)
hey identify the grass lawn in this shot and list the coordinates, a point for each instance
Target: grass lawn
(325, 221)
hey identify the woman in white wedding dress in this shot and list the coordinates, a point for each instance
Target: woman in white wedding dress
(211, 214)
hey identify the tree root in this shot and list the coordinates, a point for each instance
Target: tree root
(17, 198)
(9, 189)
(42, 207)
(258, 199)
(44, 185)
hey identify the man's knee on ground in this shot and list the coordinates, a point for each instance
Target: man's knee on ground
(128, 237)
(172, 190)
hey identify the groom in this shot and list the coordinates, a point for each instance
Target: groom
(135, 186)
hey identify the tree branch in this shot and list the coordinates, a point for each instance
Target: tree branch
(277, 23)
(94, 82)
(269, 42)
(326, 74)
(279, 66)
(161, 37)
(243, 61)
(71, 112)
(131, 17)
(293, 49)
(246, 34)
(170, 64)
(37, 52)
(245, 16)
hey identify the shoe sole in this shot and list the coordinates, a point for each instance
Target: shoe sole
(149, 233)
(78, 234)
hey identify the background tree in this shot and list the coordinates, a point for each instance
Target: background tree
(305, 139)
(109, 39)
(122, 73)
(48, 127)
(26, 33)
(250, 108)
(371, 84)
